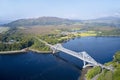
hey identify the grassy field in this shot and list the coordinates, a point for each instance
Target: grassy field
(3, 29)
(87, 33)
(50, 29)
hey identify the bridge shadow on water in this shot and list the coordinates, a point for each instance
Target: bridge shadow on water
(68, 61)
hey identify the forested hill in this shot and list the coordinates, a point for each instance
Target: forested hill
(41, 21)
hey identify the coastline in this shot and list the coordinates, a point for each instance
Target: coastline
(83, 73)
(24, 51)
(47, 52)
(12, 52)
(37, 51)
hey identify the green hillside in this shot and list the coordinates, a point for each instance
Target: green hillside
(105, 74)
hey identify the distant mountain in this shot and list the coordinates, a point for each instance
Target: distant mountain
(4, 22)
(1, 22)
(41, 21)
(105, 21)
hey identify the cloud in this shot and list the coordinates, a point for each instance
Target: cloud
(72, 16)
(117, 14)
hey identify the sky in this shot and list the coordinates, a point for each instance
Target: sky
(72, 9)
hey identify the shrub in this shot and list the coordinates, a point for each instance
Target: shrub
(93, 72)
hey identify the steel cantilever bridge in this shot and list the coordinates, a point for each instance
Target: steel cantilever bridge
(87, 59)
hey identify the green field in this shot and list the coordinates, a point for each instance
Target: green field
(3, 29)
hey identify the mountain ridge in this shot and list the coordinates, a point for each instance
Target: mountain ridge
(42, 21)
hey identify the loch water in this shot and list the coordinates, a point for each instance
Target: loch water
(60, 66)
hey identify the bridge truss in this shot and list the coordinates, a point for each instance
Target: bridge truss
(87, 59)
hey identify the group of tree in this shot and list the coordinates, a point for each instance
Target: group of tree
(16, 45)
(14, 40)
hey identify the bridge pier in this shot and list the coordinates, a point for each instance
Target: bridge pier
(53, 51)
(55, 48)
(84, 64)
(88, 65)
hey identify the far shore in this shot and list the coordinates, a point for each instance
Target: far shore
(38, 51)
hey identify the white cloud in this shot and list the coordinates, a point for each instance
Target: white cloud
(117, 14)
(72, 16)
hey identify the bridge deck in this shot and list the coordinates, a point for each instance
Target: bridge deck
(81, 55)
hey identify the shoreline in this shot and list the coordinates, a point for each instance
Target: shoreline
(12, 52)
(24, 51)
(37, 51)
(83, 73)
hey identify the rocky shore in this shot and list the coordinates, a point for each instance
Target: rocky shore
(24, 51)
(12, 52)
(83, 73)
(37, 51)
